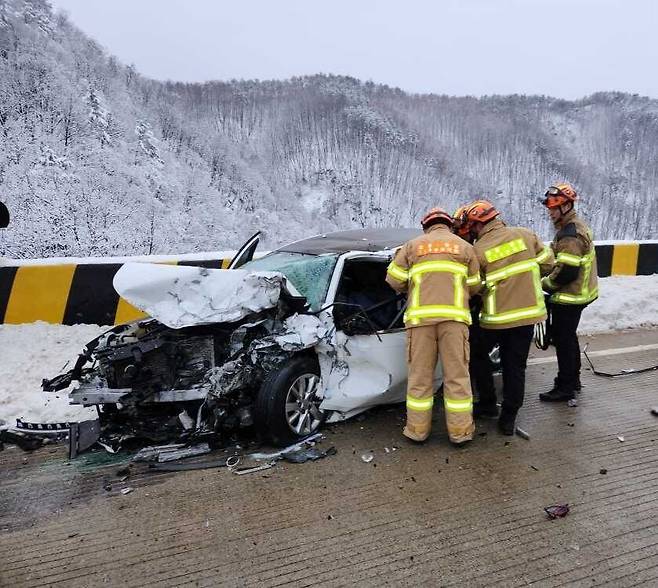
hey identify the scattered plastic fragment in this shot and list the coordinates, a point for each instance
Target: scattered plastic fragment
(307, 454)
(127, 490)
(387, 450)
(260, 468)
(367, 457)
(293, 447)
(621, 438)
(521, 433)
(573, 403)
(654, 410)
(603, 471)
(570, 424)
(200, 449)
(534, 468)
(557, 511)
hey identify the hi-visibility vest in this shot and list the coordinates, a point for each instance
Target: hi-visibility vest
(416, 311)
(489, 314)
(585, 296)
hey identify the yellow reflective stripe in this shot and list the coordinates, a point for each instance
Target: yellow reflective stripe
(544, 255)
(515, 268)
(473, 280)
(569, 259)
(438, 311)
(514, 315)
(397, 272)
(548, 283)
(420, 404)
(575, 298)
(438, 266)
(465, 405)
(505, 250)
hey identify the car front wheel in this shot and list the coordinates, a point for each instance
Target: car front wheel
(288, 402)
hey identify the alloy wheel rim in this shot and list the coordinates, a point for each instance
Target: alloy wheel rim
(303, 413)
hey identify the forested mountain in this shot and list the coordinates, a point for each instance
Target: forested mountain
(96, 159)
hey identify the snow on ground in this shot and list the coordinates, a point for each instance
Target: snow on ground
(625, 302)
(29, 353)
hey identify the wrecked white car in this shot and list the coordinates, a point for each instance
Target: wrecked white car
(309, 333)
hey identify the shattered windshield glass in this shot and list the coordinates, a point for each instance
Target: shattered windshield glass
(310, 274)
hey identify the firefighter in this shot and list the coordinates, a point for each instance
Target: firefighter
(439, 271)
(572, 286)
(512, 261)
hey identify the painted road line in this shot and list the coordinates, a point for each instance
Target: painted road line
(600, 353)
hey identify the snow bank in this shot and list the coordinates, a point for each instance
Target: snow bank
(625, 302)
(29, 353)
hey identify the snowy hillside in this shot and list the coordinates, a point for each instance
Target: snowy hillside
(97, 160)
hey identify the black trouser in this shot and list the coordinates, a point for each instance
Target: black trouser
(514, 348)
(564, 324)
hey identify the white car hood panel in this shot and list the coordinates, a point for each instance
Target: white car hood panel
(186, 296)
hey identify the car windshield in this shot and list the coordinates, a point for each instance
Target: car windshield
(310, 274)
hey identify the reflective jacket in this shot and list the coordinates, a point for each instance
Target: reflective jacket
(574, 279)
(440, 272)
(512, 261)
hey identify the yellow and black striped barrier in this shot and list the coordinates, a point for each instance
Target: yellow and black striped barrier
(70, 294)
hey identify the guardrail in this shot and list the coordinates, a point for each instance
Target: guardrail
(72, 291)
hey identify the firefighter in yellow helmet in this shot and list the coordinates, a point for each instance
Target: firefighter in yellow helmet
(572, 286)
(512, 261)
(439, 271)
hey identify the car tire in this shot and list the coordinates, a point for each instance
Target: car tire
(277, 418)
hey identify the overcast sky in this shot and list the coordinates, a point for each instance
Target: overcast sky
(566, 48)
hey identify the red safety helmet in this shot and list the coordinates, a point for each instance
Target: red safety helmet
(436, 215)
(558, 195)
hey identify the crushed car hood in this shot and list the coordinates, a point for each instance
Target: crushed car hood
(186, 296)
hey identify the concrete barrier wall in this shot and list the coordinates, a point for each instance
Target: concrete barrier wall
(82, 292)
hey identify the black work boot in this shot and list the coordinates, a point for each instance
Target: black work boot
(557, 395)
(506, 423)
(485, 410)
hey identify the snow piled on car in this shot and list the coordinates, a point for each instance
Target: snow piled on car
(185, 296)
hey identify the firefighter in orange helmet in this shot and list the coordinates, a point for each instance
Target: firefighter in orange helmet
(572, 286)
(512, 261)
(439, 271)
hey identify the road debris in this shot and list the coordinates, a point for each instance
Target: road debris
(252, 470)
(603, 471)
(367, 457)
(557, 511)
(126, 490)
(307, 454)
(228, 462)
(176, 451)
(620, 438)
(534, 468)
(654, 410)
(521, 433)
(294, 447)
(573, 403)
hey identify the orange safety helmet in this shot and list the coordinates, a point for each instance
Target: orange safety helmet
(436, 215)
(460, 227)
(558, 195)
(480, 211)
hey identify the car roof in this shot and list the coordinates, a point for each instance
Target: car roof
(353, 240)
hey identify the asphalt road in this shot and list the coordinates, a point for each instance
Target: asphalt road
(422, 515)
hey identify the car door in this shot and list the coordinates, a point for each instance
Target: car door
(373, 364)
(246, 252)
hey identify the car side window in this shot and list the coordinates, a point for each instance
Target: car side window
(364, 302)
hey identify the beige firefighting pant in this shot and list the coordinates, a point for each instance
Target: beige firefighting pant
(449, 341)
